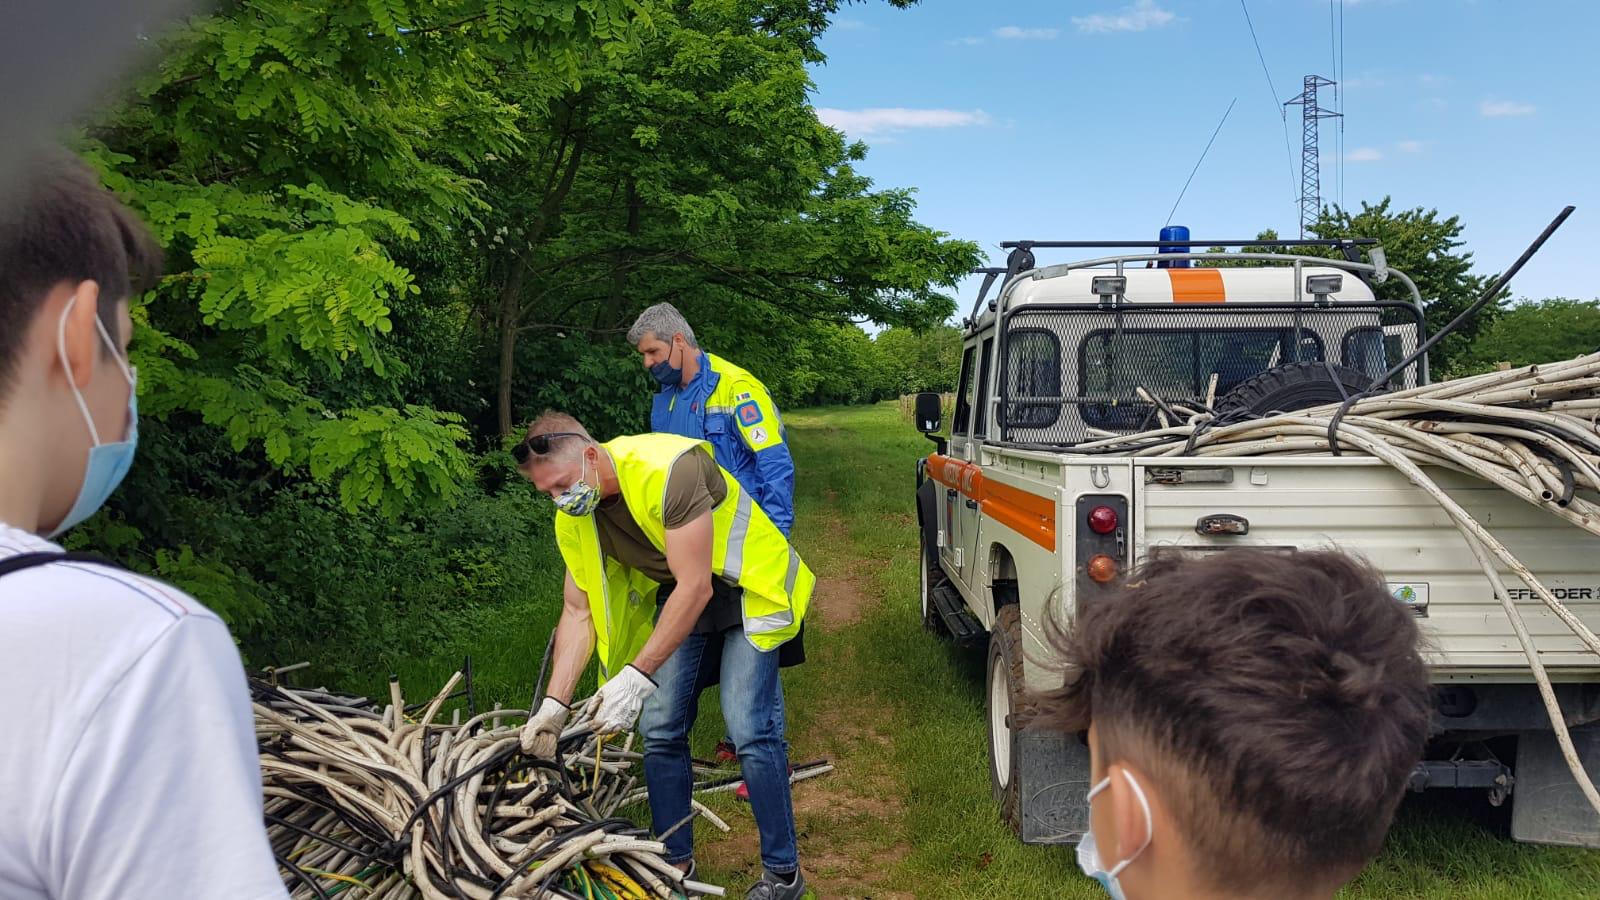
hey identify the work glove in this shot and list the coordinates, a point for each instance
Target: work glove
(619, 701)
(540, 735)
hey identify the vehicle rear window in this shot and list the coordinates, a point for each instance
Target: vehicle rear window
(1176, 365)
(1033, 369)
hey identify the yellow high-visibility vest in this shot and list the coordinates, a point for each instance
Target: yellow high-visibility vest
(746, 550)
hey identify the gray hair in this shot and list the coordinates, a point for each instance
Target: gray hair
(663, 321)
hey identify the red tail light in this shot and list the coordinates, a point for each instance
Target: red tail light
(1103, 520)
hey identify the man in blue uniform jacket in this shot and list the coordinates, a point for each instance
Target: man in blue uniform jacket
(704, 396)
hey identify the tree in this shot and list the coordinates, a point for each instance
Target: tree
(283, 151)
(926, 360)
(1425, 247)
(1535, 332)
(693, 169)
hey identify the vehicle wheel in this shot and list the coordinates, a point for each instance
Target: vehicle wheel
(1003, 690)
(1291, 387)
(933, 579)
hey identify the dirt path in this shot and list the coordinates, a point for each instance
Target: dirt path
(850, 823)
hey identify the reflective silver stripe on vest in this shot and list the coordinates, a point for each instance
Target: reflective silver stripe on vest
(733, 556)
(774, 622)
(785, 618)
(794, 574)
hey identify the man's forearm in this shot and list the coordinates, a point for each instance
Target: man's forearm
(684, 606)
(574, 645)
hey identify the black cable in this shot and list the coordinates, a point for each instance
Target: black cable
(366, 855)
(304, 877)
(544, 666)
(555, 843)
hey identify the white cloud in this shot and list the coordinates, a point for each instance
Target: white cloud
(1361, 82)
(1410, 146)
(1497, 108)
(1364, 154)
(878, 121)
(851, 25)
(965, 42)
(1015, 33)
(1141, 15)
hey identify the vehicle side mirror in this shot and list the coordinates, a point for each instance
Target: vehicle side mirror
(930, 413)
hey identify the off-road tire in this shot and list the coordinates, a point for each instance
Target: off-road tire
(933, 579)
(1292, 387)
(1003, 704)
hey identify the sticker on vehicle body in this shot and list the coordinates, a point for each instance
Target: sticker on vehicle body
(1414, 594)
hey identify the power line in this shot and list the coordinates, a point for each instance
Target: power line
(1200, 160)
(1338, 101)
(1277, 104)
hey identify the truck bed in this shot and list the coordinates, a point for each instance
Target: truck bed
(1361, 505)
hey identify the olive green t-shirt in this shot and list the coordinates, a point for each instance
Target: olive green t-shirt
(694, 487)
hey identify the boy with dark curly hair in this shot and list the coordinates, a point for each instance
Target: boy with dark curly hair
(1252, 717)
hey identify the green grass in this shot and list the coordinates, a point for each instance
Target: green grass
(908, 813)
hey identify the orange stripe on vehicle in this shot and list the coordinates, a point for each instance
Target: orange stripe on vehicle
(1029, 515)
(1197, 286)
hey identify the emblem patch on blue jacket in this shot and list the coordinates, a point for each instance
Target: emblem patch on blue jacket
(749, 413)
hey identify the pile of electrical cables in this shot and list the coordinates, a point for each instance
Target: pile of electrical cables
(369, 802)
(1533, 432)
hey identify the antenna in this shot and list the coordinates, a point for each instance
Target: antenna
(1202, 159)
(1310, 179)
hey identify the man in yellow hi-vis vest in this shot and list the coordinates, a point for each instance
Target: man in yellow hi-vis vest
(636, 512)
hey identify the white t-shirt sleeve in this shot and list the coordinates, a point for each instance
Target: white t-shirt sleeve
(161, 796)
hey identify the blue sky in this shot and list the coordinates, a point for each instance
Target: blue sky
(1081, 119)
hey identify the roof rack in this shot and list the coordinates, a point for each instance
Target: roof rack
(1303, 242)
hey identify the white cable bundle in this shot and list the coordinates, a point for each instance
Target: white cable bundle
(1531, 432)
(362, 803)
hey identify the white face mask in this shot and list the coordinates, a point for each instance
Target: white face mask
(1089, 851)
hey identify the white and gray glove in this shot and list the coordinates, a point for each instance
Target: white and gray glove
(620, 700)
(543, 731)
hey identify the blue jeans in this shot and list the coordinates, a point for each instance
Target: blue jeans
(752, 708)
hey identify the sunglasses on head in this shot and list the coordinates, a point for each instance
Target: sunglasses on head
(538, 445)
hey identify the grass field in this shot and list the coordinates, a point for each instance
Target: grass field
(908, 812)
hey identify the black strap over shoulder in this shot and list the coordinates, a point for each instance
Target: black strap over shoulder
(44, 558)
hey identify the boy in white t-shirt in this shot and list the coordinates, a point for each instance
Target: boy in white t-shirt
(128, 763)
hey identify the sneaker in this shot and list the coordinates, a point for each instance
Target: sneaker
(726, 752)
(743, 790)
(777, 887)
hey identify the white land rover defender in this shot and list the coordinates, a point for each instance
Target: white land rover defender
(1017, 526)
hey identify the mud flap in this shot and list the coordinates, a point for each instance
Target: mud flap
(1546, 806)
(1053, 778)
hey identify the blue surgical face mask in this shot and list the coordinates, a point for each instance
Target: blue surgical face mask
(1089, 851)
(580, 499)
(665, 373)
(108, 462)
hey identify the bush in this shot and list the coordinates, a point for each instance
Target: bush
(301, 578)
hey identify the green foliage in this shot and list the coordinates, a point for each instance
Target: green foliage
(1424, 246)
(397, 228)
(693, 169)
(921, 361)
(1535, 332)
